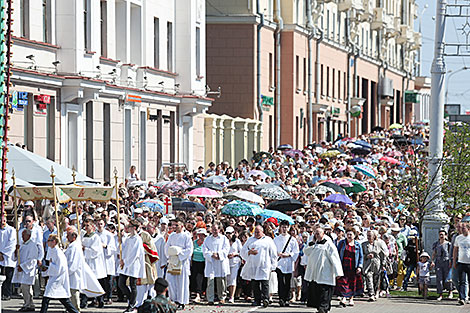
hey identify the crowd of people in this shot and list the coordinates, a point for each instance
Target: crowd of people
(350, 235)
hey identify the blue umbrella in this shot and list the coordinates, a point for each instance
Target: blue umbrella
(338, 198)
(154, 205)
(241, 208)
(363, 143)
(216, 179)
(358, 160)
(277, 215)
(186, 205)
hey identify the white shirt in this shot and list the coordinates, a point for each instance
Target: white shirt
(7, 245)
(94, 255)
(75, 259)
(235, 247)
(214, 267)
(58, 286)
(36, 237)
(463, 242)
(133, 255)
(107, 238)
(259, 266)
(286, 265)
(29, 253)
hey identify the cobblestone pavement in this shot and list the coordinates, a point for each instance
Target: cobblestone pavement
(390, 305)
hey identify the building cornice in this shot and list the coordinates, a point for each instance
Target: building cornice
(239, 19)
(34, 44)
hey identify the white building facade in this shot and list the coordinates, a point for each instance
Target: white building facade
(100, 84)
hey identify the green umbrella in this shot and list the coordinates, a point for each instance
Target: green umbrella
(270, 173)
(241, 208)
(356, 188)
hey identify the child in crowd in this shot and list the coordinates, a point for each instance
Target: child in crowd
(424, 267)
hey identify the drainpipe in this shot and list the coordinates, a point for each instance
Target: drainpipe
(317, 65)
(309, 88)
(379, 82)
(258, 60)
(350, 54)
(280, 26)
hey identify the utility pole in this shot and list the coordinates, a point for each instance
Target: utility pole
(435, 218)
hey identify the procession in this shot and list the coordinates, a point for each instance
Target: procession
(318, 227)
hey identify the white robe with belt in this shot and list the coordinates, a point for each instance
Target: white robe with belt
(107, 238)
(162, 261)
(259, 266)
(178, 285)
(58, 285)
(94, 255)
(323, 263)
(29, 253)
(213, 267)
(133, 255)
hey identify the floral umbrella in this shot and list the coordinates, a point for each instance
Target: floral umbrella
(395, 154)
(336, 188)
(320, 190)
(216, 179)
(330, 154)
(257, 173)
(273, 192)
(204, 193)
(241, 183)
(366, 170)
(241, 208)
(244, 195)
(389, 160)
(342, 182)
(292, 152)
(357, 187)
(154, 205)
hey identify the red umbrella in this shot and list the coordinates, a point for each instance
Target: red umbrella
(395, 154)
(389, 160)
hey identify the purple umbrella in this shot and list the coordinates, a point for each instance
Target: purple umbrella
(338, 198)
(292, 152)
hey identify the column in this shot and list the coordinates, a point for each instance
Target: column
(241, 141)
(219, 146)
(210, 139)
(252, 135)
(259, 136)
(229, 141)
(188, 141)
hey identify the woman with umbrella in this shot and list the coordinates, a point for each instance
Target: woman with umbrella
(350, 253)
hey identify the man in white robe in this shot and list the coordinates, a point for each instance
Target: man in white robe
(323, 266)
(109, 250)
(7, 251)
(58, 285)
(75, 260)
(215, 250)
(25, 271)
(132, 264)
(179, 283)
(260, 255)
(288, 251)
(94, 257)
(160, 242)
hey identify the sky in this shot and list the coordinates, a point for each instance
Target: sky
(458, 84)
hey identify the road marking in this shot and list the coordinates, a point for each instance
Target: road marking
(253, 309)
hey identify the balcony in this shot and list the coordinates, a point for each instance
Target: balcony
(381, 20)
(367, 10)
(346, 5)
(417, 41)
(406, 35)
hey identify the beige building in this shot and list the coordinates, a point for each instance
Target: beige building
(311, 70)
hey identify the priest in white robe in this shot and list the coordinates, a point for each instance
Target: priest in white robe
(215, 250)
(323, 266)
(109, 250)
(94, 257)
(178, 276)
(25, 271)
(7, 251)
(58, 284)
(132, 264)
(260, 255)
(288, 251)
(160, 242)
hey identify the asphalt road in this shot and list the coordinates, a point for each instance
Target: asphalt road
(389, 305)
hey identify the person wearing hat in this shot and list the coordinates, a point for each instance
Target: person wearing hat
(160, 303)
(215, 249)
(234, 261)
(132, 264)
(401, 241)
(288, 251)
(423, 273)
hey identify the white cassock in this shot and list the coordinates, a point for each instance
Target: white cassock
(286, 265)
(178, 285)
(8, 246)
(81, 277)
(94, 255)
(323, 263)
(29, 253)
(107, 238)
(259, 266)
(160, 245)
(58, 285)
(36, 237)
(133, 255)
(214, 267)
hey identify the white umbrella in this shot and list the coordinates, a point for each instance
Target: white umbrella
(36, 169)
(244, 196)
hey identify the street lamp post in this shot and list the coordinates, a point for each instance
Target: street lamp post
(435, 218)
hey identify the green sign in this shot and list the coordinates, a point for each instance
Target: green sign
(335, 111)
(411, 97)
(265, 100)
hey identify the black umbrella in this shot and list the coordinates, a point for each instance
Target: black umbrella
(335, 187)
(207, 185)
(284, 147)
(262, 155)
(377, 129)
(186, 205)
(285, 205)
(360, 151)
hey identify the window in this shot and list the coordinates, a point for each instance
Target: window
(297, 68)
(327, 23)
(156, 42)
(86, 25)
(46, 21)
(24, 13)
(305, 75)
(198, 52)
(339, 84)
(345, 86)
(169, 46)
(50, 130)
(333, 82)
(333, 35)
(104, 27)
(270, 70)
(327, 81)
